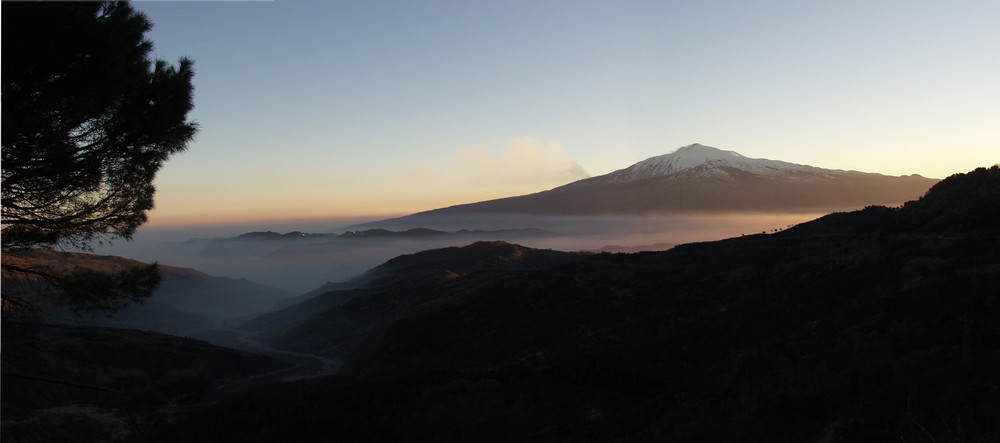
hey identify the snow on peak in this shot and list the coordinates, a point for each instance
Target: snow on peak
(702, 160)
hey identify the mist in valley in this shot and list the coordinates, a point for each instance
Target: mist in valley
(298, 264)
(253, 269)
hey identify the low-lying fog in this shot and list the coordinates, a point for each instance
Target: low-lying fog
(304, 263)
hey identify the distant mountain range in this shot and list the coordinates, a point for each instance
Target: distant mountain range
(699, 178)
(374, 233)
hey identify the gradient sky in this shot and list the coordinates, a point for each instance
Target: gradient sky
(313, 109)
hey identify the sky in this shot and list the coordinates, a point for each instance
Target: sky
(330, 109)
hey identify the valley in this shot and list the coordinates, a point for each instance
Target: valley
(859, 326)
(824, 327)
(429, 222)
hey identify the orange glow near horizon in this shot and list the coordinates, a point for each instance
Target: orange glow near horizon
(207, 210)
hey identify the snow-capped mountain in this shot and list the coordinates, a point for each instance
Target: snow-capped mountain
(698, 178)
(705, 159)
(706, 162)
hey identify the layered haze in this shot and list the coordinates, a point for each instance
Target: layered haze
(302, 264)
(696, 193)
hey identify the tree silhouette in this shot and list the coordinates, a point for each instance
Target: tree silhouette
(88, 120)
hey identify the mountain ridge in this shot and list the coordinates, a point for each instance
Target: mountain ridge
(299, 326)
(370, 233)
(698, 179)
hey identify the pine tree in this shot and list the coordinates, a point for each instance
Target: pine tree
(88, 119)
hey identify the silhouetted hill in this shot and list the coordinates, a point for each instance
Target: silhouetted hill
(317, 323)
(425, 232)
(373, 233)
(617, 249)
(874, 325)
(457, 261)
(271, 235)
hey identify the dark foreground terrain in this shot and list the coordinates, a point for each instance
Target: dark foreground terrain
(85, 383)
(875, 325)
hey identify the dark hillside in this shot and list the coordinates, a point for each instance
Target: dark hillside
(332, 323)
(875, 325)
(458, 261)
(52, 366)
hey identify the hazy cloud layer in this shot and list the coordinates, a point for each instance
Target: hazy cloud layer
(524, 161)
(305, 264)
(522, 165)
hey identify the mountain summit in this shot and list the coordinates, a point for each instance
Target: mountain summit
(699, 159)
(698, 178)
